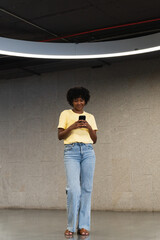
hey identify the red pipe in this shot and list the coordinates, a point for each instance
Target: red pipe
(102, 29)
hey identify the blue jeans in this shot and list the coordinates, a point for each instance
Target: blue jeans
(79, 159)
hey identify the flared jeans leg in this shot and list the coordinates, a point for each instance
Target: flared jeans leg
(79, 162)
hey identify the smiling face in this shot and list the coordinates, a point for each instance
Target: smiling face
(78, 105)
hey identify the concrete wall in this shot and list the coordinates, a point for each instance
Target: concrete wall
(126, 103)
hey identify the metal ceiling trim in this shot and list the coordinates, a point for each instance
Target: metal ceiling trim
(118, 48)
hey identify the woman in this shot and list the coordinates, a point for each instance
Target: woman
(79, 159)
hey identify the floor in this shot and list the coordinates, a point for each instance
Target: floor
(20, 224)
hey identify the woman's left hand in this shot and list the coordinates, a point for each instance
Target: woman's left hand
(85, 124)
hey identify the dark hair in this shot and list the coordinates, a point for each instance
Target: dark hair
(77, 92)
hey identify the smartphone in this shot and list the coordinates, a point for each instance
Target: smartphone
(82, 117)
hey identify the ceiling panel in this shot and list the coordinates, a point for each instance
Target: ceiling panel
(47, 19)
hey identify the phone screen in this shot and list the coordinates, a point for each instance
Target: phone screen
(82, 117)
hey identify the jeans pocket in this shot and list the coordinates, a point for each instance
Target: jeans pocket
(89, 146)
(68, 147)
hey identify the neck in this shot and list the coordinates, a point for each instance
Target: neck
(76, 111)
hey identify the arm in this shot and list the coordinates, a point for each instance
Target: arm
(92, 132)
(93, 135)
(63, 133)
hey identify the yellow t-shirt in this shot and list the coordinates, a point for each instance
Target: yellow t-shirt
(67, 118)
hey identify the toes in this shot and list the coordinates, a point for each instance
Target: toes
(68, 233)
(83, 232)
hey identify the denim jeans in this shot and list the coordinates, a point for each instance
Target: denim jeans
(79, 159)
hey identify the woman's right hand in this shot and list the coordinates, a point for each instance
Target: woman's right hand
(63, 133)
(77, 124)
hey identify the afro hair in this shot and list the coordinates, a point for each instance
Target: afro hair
(78, 92)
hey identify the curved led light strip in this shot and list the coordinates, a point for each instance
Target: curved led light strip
(20, 48)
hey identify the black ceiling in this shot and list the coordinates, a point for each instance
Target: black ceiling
(71, 21)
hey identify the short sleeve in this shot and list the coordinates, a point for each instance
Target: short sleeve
(93, 123)
(62, 120)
